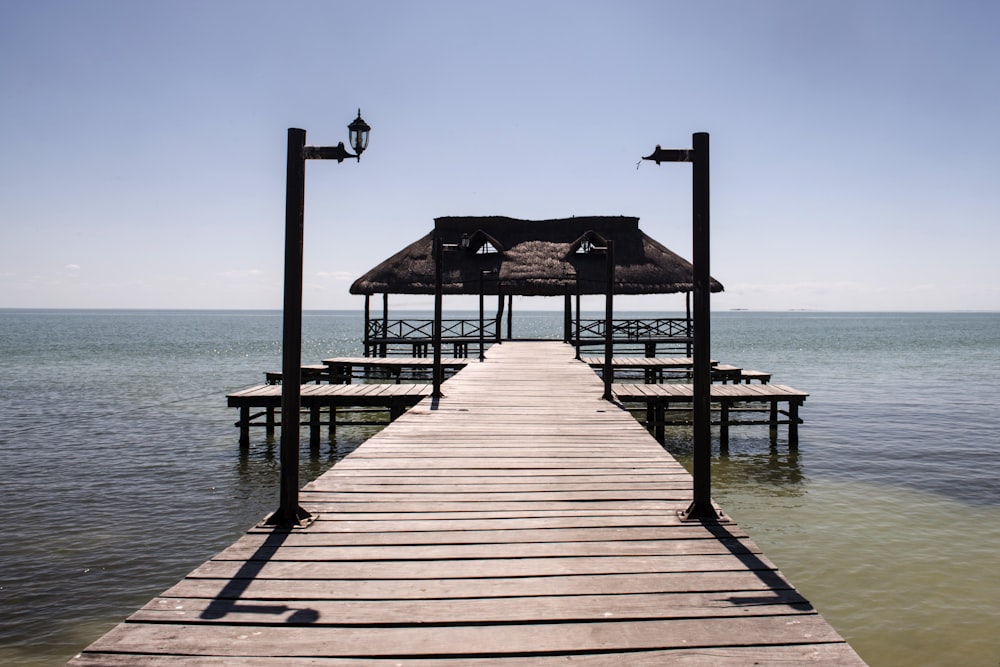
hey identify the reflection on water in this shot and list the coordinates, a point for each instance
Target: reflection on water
(908, 578)
(753, 460)
(258, 467)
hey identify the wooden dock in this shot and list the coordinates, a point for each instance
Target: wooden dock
(520, 520)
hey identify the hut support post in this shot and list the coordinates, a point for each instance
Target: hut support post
(567, 316)
(577, 328)
(482, 317)
(438, 287)
(510, 315)
(368, 319)
(384, 349)
(499, 319)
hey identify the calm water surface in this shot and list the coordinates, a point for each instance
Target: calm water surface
(120, 470)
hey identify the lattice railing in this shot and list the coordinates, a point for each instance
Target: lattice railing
(637, 330)
(405, 330)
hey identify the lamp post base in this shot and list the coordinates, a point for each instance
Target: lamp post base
(298, 518)
(697, 512)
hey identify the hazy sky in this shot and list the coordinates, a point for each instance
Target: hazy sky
(855, 144)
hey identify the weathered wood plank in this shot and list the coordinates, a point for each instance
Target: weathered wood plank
(466, 610)
(492, 536)
(402, 523)
(246, 551)
(457, 640)
(340, 585)
(554, 566)
(818, 655)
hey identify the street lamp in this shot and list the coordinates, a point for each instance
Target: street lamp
(701, 508)
(357, 132)
(289, 514)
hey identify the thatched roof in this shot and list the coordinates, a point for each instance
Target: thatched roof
(534, 258)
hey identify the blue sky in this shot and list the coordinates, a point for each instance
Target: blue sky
(855, 145)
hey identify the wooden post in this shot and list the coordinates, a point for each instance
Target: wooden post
(793, 424)
(687, 304)
(498, 324)
(724, 425)
(482, 316)
(436, 331)
(384, 348)
(314, 425)
(577, 328)
(510, 315)
(244, 426)
(661, 422)
(772, 426)
(567, 316)
(368, 319)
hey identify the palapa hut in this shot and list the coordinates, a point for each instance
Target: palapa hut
(507, 256)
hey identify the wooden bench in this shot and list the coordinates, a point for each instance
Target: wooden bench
(344, 369)
(658, 398)
(654, 369)
(657, 369)
(725, 373)
(421, 347)
(312, 373)
(394, 397)
(760, 376)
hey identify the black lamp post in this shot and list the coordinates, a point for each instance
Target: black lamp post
(701, 508)
(289, 514)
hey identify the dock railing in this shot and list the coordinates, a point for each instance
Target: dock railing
(648, 336)
(415, 337)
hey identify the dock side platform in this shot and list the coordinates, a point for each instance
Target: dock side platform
(520, 520)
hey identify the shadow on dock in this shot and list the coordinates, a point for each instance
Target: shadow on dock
(228, 599)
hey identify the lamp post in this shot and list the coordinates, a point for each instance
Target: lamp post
(289, 513)
(701, 508)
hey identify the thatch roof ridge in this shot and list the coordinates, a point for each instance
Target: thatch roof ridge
(536, 257)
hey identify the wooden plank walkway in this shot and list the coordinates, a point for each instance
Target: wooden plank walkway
(344, 369)
(521, 520)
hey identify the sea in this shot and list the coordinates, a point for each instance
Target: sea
(120, 469)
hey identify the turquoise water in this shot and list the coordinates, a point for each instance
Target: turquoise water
(120, 470)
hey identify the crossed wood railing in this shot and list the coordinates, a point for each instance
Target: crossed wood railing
(416, 336)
